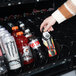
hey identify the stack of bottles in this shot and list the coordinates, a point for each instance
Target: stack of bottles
(21, 48)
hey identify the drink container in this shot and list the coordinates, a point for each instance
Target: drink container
(11, 51)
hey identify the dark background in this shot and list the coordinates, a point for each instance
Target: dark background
(26, 6)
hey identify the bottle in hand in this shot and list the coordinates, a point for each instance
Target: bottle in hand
(49, 43)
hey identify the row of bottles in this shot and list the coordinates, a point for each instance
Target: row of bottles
(29, 46)
(22, 49)
(40, 56)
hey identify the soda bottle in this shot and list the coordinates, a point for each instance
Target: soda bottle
(38, 52)
(22, 26)
(15, 29)
(49, 43)
(28, 33)
(3, 68)
(11, 52)
(24, 49)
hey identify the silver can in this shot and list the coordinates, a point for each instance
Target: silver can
(11, 52)
(2, 33)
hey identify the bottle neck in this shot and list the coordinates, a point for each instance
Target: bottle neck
(23, 29)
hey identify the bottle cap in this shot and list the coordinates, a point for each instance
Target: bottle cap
(21, 25)
(19, 33)
(46, 35)
(15, 27)
(27, 30)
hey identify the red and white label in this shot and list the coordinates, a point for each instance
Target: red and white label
(34, 44)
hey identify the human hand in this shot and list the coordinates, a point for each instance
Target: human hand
(47, 24)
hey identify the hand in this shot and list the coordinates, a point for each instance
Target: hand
(47, 24)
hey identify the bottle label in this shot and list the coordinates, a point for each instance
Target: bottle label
(27, 55)
(34, 44)
(52, 47)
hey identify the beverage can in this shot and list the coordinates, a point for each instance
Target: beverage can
(49, 43)
(11, 52)
(2, 33)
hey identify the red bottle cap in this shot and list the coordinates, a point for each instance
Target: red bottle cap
(15, 27)
(19, 33)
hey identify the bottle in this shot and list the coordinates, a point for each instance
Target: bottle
(11, 52)
(24, 49)
(3, 68)
(22, 26)
(28, 33)
(15, 29)
(49, 43)
(38, 52)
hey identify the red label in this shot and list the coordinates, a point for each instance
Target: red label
(34, 44)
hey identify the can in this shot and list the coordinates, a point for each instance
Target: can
(11, 52)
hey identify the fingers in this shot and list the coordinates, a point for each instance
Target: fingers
(47, 24)
(43, 25)
(50, 29)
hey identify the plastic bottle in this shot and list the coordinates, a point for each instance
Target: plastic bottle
(24, 49)
(38, 53)
(22, 26)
